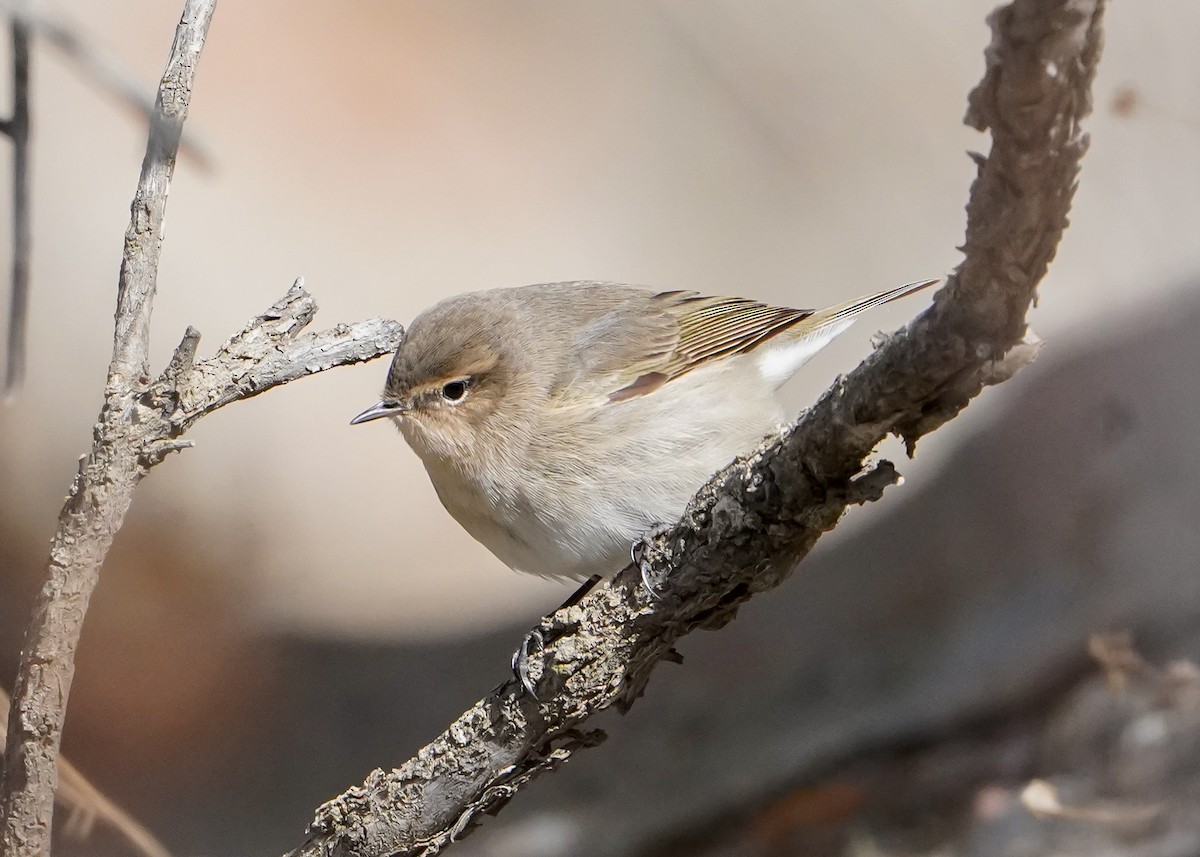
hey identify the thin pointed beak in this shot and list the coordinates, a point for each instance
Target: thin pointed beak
(379, 410)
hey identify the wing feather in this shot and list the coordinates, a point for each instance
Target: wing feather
(706, 329)
(641, 341)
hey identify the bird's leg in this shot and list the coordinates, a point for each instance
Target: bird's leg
(577, 596)
(536, 639)
(637, 555)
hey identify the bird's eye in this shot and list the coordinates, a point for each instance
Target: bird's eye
(454, 391)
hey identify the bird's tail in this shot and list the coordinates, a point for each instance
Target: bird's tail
(814, 332)
(846, 312)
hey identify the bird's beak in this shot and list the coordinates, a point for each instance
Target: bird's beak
(378, 410)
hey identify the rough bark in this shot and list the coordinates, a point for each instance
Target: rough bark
(746, 530)
(142, 419)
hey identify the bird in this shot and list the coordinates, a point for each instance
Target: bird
(561, 422)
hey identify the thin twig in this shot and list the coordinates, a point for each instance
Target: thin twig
(27, 20)
(17, 129)
(143, 238)
(745, 531)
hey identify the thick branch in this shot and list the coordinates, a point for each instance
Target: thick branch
(745, 531)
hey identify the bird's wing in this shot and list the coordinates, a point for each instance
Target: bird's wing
(711, 328)
(649, 339)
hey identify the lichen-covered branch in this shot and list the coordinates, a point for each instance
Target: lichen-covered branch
(141, 421)
(746, 530)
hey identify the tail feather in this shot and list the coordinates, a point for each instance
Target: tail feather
(788, 353)
(850, 309)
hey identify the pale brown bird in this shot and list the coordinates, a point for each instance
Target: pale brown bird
(561, 422)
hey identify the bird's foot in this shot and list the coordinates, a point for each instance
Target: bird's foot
(637, 555)
(533, 641)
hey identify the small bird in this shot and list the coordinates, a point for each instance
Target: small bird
(561, 422)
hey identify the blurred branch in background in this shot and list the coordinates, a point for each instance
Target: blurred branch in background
(16, 127)
(100, 68)
(142, 420)
(745, 531)
(26, 20)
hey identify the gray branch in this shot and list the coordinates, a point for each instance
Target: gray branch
(29, 19)
(745, 531)
(141, 421)
(143, 238)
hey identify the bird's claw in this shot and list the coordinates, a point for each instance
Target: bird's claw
(637, 555)
(520, 660)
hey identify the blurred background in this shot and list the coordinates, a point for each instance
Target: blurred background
(288, 605)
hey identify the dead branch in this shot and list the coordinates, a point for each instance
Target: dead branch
(28, 20)
(745, 531)
(141, 421)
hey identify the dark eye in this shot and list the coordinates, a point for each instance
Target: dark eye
(454, 391)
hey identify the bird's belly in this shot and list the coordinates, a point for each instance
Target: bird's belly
(544, 529)
(581, 517)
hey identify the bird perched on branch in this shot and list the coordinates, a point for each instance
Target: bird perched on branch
(561, 422)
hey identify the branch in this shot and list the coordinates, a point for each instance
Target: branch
(27, 21)
(269, 352)
(141, 421)
(745, 531)
(143, 239)
(16, 127)
(137, 430)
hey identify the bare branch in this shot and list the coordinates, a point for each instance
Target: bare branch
(136, 431)
(746, 530)
(139, 425)
(143, 239)
(16, 127)
(271, 351)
